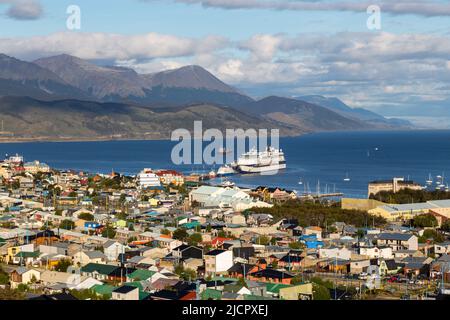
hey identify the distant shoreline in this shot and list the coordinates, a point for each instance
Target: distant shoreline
(109, 139)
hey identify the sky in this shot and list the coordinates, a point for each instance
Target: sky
(262, 47)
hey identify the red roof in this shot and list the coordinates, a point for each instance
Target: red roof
(168, 172)
(219, 240)
(190, 296)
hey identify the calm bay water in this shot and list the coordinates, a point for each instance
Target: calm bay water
(324, 157)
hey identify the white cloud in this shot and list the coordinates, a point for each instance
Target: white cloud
(109, 46)
(368, 69)
(23, 9)
(427, 8)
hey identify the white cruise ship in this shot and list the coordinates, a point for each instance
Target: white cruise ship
(256, 162)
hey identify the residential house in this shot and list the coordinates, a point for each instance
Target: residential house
(313, 230)
(335, 252)
(112, 249)
(23, 275)
(126, 292)
(376, 252)
(442, 248)
(218, 261)
(105, 272)
(298, 292)
(184, 252)
(82, 258)
(398, 241)
(271, 275)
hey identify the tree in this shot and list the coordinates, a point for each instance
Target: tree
(4, 277)
(431, 234)
(180, 234)
(131, 239)
(310, 213)
(86, 216)
(296, 280)
(195, 204)
(87, 294)
(195, 239)
(263, 240)
(123, 198)
(241, 281)
(165, 232)
(446, 226)
(11, 294)
(67, 224)
(321, 292)
(360, 233)
(185, 274)
(73, 194)
(222, 234)
(23, 287)
(109, 232)
(296, 245)
(63, 265)
(425, 221)
(409, 196)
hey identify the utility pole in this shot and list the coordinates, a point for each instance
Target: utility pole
(335, 276)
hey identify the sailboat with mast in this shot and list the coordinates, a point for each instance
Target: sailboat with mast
(347, 178)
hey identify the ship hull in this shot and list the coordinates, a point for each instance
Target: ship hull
(261, 169)
(225, 174)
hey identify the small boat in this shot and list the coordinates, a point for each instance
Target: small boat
(300, 182)
(224, 151)
(430, 180)
(347, 179)
(212, 174)
(227, 184)
(225, 170)
(441, 183)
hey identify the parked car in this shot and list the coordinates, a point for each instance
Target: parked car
(393, 279)
(363, 276)
(403, 280)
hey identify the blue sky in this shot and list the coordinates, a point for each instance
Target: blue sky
(261, 46)
(165, 16)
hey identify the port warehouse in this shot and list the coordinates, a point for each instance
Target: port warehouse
(398, 212)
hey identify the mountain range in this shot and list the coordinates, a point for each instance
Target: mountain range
(65, 97)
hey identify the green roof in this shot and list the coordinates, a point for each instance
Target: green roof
(191, 225)
(139, 275)
(220, 278)
(275, 287)
(104, 289)
(25, 254)
(105, 269)
(213, 294)
(143, 295)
